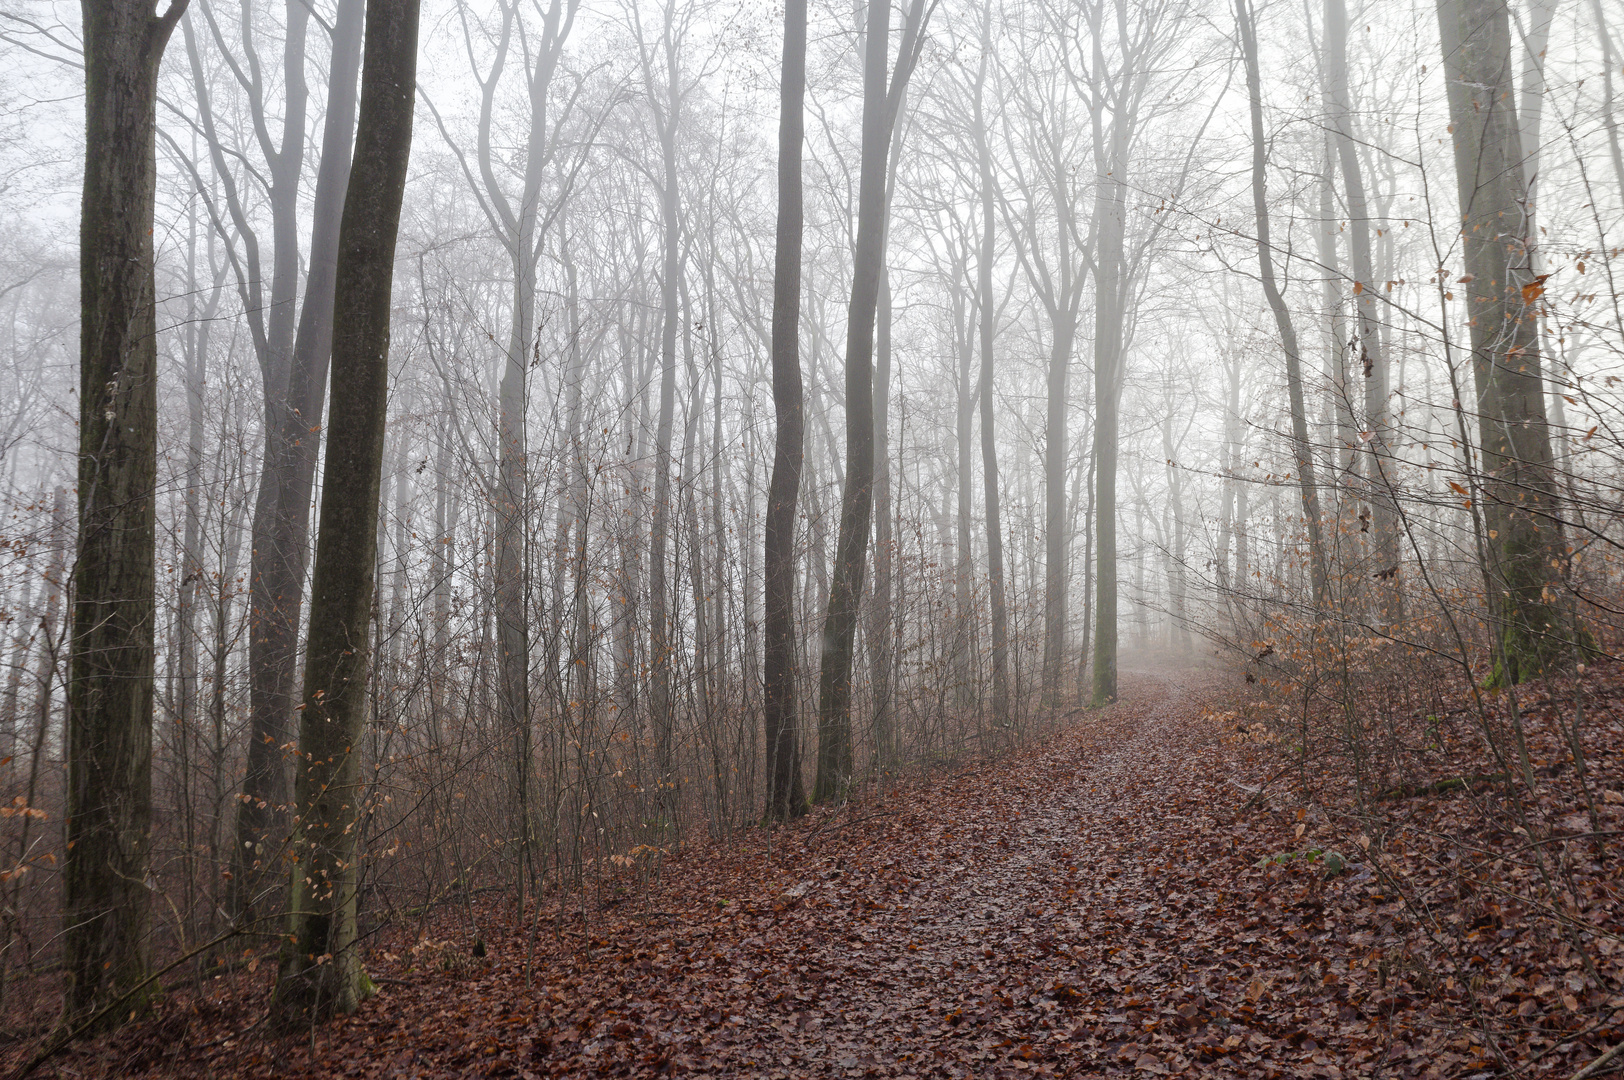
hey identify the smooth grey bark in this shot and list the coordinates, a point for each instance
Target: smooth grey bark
(1110, 215)
(1503, 296)
(1302, 450)
(1530, 118)
(320, 972)
(276, 569)
(1059, 282)
(785, 794)
(965, 384)
(281, 526)
(880, 109)
(106, 904)
(989, 441)
(1609, 115)
(521, 226)
(1379, 480)
(667, 119)
(881, 628)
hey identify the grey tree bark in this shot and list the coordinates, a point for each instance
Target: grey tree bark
(1379, 480)
(1302, 450)
(989, 441)
(320, 972)
(106, 904)
(856, 505)
(281, 527)
(1503, 298)
(785, 795)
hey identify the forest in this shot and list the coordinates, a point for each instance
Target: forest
(954, 538)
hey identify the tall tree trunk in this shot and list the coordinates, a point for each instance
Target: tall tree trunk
(964, 608)
(1110, 215)
(785, 795)
(1530, 119)
(1609, 117)
(659, 591)
(881, 621)
(321, 970)
(105, 900)
(282, 536)
(1302, 450)
(1503, 298)
(989, 442)
(275, 590)
(856, 504)
(1056, 524)
(1380, 467)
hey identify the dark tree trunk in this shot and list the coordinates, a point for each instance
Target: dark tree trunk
(281, 515)
(1504, 298)
(106, 902)
(321, 970)
(785, 796)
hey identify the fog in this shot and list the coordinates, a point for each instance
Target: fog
(1172, 362)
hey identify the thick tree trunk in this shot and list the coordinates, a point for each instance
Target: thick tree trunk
(321, 970)
(785, 796)
(282, 537)
(105, 900)
(1503, 299)
(1302, 450)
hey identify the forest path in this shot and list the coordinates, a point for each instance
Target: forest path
(1057, 912)
(1089, 906)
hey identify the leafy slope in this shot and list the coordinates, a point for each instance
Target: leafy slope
(1093, 906)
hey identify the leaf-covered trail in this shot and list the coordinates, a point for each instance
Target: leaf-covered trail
(1086, 907)
(1060, 911)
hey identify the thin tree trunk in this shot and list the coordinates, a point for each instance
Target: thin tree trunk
(659, 617)
(1056, 529)
(785, 795)
(989, 442)
(856, 504)
(1380, 467)
(1110, 215)
(1302, 450)
(321, 971)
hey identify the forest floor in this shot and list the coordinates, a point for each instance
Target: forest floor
(1102, 904)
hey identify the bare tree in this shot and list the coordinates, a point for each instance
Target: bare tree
(106, 903)
(1503, 296)
(880, 107)
(320, 972)
(785, 796)
(1302, 452)
(1379, 478)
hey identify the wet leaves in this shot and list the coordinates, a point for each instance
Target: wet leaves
(1109, 903)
